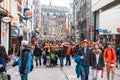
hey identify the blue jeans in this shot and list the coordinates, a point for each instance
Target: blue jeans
(86, 71)
(118, 59)
(61, 61)
(38, 58)
(24, 76)
(68, 60)
(47, 61)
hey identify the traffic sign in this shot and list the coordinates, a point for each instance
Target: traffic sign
(16, 31)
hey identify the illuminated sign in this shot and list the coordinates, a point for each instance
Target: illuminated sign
(27, 13)
(6, 19)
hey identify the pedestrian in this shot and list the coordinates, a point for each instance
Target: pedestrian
(47, 57)
(38, 54)
(110, 60)
(56, 56)
(25, 61)
(61, 55)
(97, 62)
(14, 52)
(3, 70)
(118, 56)
(102, 49)
(85, 55)
(68, 54)
(44, 57)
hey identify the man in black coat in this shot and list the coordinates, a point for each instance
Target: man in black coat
(85, 54)
(37, 53)
(61, 55)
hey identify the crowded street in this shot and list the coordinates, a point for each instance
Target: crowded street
(54, 73)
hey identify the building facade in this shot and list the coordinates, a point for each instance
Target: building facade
(54, 21)
(106, 20)
(82, 19)
(12, 30)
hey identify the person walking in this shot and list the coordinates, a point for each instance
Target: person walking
(38, 54)
(3, 63)
(61, 55)
(25, 61)
(68, 53)
(85, 55)
(97, 62)
(110, 60)
(14, 52)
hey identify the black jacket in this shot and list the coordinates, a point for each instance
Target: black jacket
(100, 64)
(61, 52)
(37, 52)
(86, 61)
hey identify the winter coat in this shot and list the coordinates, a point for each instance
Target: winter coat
(79, 67)
(94, 64)
(37, 52)
(61, 52)
(25, 61)
(118, 51)
(68, 50)
(86, 61)
(110, 56)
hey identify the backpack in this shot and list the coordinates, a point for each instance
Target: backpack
(52, 55)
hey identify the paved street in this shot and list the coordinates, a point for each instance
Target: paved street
(55, 73)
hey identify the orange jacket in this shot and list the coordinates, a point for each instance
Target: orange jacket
(68, 50)
(110, 56)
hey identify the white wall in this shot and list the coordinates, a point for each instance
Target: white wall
(97, 4)
(110, 19)
(14, 9)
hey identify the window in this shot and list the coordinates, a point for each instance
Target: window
(54, 14)
(48, 14)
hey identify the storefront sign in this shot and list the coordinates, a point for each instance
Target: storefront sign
(16, 31)
(27, 13)
(118, 30)
(100, 30)
(6, 19)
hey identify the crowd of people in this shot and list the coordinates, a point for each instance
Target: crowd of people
(52, 53)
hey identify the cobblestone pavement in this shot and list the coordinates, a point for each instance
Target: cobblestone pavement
(54, 73)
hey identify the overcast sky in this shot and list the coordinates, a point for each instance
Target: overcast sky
(65, 3)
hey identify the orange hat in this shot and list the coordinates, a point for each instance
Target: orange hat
(85, 41)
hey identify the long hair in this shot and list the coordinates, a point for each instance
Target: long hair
(2, 51)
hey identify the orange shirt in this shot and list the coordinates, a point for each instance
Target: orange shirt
(68, 50)
(110, 56)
